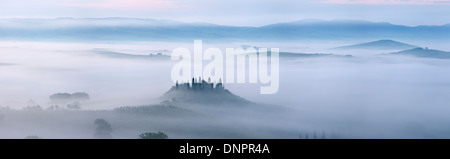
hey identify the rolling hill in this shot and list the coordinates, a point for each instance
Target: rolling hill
(134, 29)
(424, 53)
(378, 45)
(119, 55)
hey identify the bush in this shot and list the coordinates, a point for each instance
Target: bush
(152, 135)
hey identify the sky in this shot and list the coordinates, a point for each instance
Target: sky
(237, 12)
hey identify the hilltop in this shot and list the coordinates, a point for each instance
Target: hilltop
(379, 45)
(202, 92)
(424, 53)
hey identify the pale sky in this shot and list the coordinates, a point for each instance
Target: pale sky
(237, 12)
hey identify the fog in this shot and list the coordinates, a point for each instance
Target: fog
(367, 95)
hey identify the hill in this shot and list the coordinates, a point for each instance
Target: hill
(379, 45)
(112, 54)
(289, 55)
(424, 53)
(202, 93)
(134, 29)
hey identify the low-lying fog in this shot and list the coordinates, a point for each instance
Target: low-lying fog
(363, 96)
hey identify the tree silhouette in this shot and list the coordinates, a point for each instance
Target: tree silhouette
(152, 135)
(103, 130)
(74, 106)
(60, 96)
(80, 96)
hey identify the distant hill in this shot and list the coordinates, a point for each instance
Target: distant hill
(291, 55)
(424, 53)
(378, 45)
(112, 54)
(288, 55)
(159, 56)
(135, 29)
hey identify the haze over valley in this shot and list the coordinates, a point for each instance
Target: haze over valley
(57, 78)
